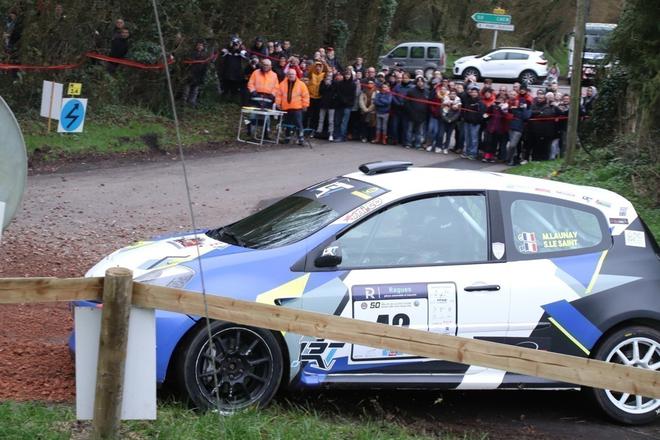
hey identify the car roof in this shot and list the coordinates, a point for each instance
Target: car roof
(518, 48)
(416, 180)
(427, 43)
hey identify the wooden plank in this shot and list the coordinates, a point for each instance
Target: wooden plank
(117, 292)
(33, 290)
(549, 365)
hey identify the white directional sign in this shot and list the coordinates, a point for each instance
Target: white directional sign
(497, 27)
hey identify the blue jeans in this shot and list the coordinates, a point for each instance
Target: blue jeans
(448, 129)
(295, 119)
(433, 130)
(342, 115)
(414, 134)
(472, 139)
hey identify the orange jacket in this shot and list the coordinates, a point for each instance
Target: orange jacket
(263, 83)
(299, 95)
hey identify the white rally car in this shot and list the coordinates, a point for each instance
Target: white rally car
(516, 260)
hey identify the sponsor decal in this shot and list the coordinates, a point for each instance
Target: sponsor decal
(362, 210)
(330, 251)
(623, 211)
(559, 240)
(567, 194)
(544, 190)
(587, 199)
(319, 353)
(634, 238)
(498, 250)
(604, 203)
(618, 221)
(528, 244)
(325, 190)
(188, 242)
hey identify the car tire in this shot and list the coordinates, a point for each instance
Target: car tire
(528, 77)
(246, 361)
(471, 71)
(621, 407)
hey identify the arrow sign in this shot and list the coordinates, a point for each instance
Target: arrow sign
(486, 17)
(72, 116)
(497, 27)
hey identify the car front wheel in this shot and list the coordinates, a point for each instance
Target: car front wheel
(242, 367)
(636, 346)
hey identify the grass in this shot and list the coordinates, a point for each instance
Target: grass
(120, 129)
(609, 175)
(53, 422)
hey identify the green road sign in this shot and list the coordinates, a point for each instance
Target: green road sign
(485, 17)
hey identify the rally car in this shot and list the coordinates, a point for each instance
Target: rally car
(516, 260)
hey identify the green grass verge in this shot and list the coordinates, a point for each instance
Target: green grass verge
(120, 129)
(609, 175)
(54, 422)
(559, 55)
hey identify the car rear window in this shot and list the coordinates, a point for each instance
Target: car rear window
(540, 227)
(517, 56)
(299, 215)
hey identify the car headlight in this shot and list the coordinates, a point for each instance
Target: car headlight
(459, 61)
(175, 276)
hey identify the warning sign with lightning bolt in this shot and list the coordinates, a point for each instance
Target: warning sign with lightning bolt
(72, 116)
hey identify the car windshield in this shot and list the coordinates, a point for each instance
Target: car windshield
(299, 215)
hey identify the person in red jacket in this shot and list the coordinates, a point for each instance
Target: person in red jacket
(292, 97)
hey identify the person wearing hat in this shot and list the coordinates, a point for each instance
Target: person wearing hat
(229, 67)
(416, 110)
(259, 48)
(331, 59)
(196, 73)
(316, 76)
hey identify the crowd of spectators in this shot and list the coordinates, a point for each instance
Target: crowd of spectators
(512, 124)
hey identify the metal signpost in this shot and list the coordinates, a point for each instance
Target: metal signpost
(497, 21)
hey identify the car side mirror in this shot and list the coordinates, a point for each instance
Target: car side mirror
(390, 55)
(330, 257)
(487, 58)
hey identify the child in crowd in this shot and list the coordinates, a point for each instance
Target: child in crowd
(383, 103)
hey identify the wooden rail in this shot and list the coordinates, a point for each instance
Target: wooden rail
(545, 364)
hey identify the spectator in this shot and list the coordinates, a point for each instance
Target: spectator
(396, 109)
(553, 87)
(383, 103)
(230, 67)
(450, 117)
(292, 97)
(553, 74)
(196, 74)
(345, 101)
(270, 47)
(119, 48)
(328, 103)
(358, 66)
(259, 48)
(277, 51)
(286, 49)
(436, 98)
(588, 100)
(416, 111)
(368, 111)
(316, 76)
(541, 128)
(459, 145)
(355, 121)
(497, 129)
(331, 59)
(519, 113)
(402, 115)
(562, 111)
(262, 87)
(475, 113)
(280, 68)
(293, 63)
(370, 75)
(11, 33)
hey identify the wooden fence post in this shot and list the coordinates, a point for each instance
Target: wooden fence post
(117, 297)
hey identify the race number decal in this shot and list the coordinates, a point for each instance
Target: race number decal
(421, 306)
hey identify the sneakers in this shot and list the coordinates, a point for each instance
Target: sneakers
(301, 141)
(330, 138)
(445, 151)
(464, 156)
(406, 146)
(488, 160)
(364, 140)
(523, 162)
(429, 148)
(438, 150)
(472, 157)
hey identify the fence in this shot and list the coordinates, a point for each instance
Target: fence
(118, 292)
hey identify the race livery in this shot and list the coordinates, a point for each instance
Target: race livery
(515, 260)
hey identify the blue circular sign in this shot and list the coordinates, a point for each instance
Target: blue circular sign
(72, 115)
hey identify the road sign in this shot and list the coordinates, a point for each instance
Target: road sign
(72, 117)
(485, 17)
(51, 99)
(74, 89)
(497, 27)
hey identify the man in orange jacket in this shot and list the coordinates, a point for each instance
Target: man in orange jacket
(262, 87)
(292, 97)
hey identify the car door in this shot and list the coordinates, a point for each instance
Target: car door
(494, 64)
(399, 56)
(516, 62)
(417, 58)
(555, 249)
(423, 263)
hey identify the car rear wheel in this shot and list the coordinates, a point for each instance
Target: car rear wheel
(528, 77)
(471, 71)
(247, 364)
(636, 346)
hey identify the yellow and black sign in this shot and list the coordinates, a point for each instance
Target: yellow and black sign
(74, 89)
(499, 11)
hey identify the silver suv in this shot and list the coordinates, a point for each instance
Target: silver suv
(427, 56)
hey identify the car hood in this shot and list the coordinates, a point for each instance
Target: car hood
(146, 256)
(463, 59)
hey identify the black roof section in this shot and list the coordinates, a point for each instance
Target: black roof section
(385, 166)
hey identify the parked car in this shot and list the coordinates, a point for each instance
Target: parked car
(426, 56)
(516, 260)
(512, 63)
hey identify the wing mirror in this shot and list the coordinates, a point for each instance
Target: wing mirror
(390, 55)
(330, 257)
(487, 58)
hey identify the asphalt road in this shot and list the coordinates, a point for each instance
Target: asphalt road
(93, 210)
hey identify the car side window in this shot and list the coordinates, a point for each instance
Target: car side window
(433, 52)
(417, 52)
(517, 56)
(442, 229)
(543, 227)
(400, 52)
(498, 56)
